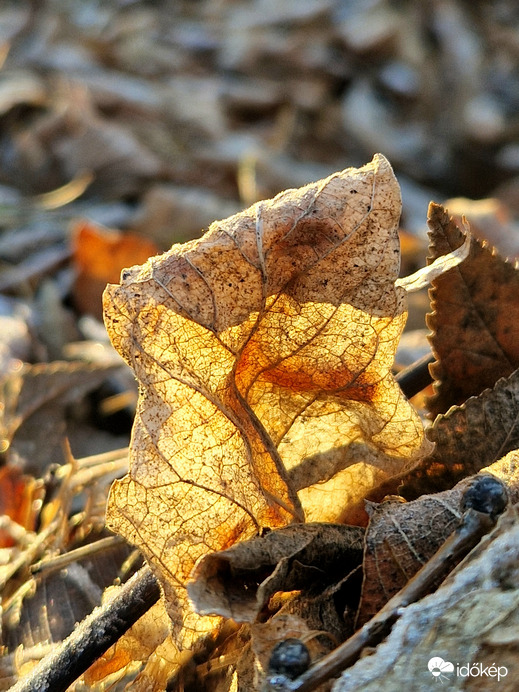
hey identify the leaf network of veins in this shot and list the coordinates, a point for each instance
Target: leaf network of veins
(261, 313)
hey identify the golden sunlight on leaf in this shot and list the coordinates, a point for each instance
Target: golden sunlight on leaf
(264, 344)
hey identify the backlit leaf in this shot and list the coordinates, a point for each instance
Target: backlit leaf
(266, 343)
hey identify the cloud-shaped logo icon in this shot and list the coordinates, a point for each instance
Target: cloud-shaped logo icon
(438, 666)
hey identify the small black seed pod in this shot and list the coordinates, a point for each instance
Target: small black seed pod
(289, 658)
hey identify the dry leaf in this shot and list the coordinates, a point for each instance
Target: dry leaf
(35, 397)
(267, 342)
(238, 582)
(99, 255)
(20, 497)
(475, 321)
(304, 576)
(467, 439)
(490, 219)
(400, 538)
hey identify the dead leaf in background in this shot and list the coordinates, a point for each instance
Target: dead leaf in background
(99, 255)
(238, 582)
(267, 341)
(19, 500)
(35, 397)
(491, 220)
(50, 603)
(475, 322)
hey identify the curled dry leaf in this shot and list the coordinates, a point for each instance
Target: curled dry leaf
(476, 315)
(267, 342)
(238, 582)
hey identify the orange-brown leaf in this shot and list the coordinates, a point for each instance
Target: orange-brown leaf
(99, 254)
(264, 344)
(19, 494)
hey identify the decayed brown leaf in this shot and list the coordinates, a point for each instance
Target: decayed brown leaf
(296, 574)
(402, 536)
(476, 316)
(467, 439)
(238, 582)
(267, 342)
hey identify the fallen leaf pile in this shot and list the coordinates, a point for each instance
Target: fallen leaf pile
(286, 474)
(268, 414)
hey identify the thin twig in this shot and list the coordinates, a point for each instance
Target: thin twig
(416, 376)
(93, 636)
